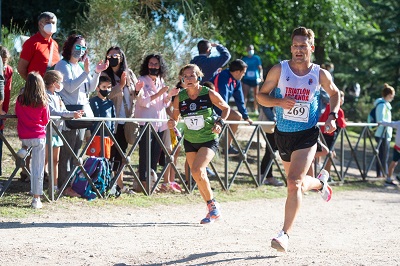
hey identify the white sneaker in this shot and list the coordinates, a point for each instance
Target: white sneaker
(22, 153)
(280, 243)
(326, 190)
(128, 191)
(36, 203)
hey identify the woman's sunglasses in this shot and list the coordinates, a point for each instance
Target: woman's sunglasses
(80, 47)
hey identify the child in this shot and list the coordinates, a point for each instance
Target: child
(53, 81)
(7, 73)
(33, 115)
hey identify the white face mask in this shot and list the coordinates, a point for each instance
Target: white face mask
(59, 89)
(250, 52)
(50, 28)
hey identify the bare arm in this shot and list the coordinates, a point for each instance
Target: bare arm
(330, 87)
(271, 82)
(23, 68)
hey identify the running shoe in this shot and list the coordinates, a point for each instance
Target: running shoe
(176, 187)
(232, 151)
(36, 203)
(213, 214)
(272, 181)
(210, 173)
(280, 243)
(326, 190)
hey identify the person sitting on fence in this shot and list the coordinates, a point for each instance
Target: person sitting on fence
(53, 81)
(201, 130)
(32, 111)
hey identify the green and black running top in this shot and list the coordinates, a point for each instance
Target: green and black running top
(198, 115)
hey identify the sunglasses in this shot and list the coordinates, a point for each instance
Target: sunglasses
(113, 56)
(80, 47)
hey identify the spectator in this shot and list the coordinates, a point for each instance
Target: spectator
(200, 138)
(125, 88)
(6, 73)
(152, 104)
(210, 65)
(384, 114)
(40, 51)
(53, 80)
(227, 84)
(331, 137)
(253, 76)
(33, 115)
(77, 84)
(396, 152)
(268, 114)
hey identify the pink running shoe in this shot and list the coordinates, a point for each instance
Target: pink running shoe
(326, 190)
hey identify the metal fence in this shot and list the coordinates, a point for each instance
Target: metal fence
(357, 152)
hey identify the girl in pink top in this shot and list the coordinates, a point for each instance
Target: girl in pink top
(33, 115)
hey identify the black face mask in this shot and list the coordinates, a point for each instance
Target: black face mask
(113, 62)
(104, 93)
(154, 71)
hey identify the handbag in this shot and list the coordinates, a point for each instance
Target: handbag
(131, 129)
(75, 123)
(269, 129)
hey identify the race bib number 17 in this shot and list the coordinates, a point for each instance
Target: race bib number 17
(299, 113)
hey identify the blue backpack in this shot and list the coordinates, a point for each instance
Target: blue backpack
(372, 114)
(99, 170)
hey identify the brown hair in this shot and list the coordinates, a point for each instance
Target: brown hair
(195, 68)
(34, 93)
(302, 31)
(387, 89)
(52, 76)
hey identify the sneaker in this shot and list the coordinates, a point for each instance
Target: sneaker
(176, 187)
(280, 243)
(36, 203)
(213, 214)
(389, 182)
(325, 191)
(272, 181)
(128, 191)
(233, 151)
(210, 173)
(22, 153)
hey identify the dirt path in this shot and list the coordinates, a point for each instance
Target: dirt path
(355, 228)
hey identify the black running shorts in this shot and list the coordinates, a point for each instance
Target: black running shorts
(288, 142)
(195, 147)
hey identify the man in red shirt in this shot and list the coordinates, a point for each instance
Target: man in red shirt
(40, 51)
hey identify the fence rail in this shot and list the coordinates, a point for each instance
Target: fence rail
(359, 155)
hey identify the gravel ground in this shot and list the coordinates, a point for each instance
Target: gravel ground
(355, 228)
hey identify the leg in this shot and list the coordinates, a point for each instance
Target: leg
(198, 163)
(56, 157)
(65, 156)
(255, 92)
(297, 182)
(233, 116)
(246, 90)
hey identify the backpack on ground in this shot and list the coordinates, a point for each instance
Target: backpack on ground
(372, 114)
(99, 170)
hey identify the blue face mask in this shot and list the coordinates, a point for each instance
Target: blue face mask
(250, 52)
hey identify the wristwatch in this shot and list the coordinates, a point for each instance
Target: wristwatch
(335, 115)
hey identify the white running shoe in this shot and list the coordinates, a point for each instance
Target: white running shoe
(326, 190)
(281, 242)
(36, 203)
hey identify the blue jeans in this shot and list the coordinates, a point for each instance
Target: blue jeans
(37, 163)
(384, 151)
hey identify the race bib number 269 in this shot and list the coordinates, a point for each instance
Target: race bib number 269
(299, 113)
